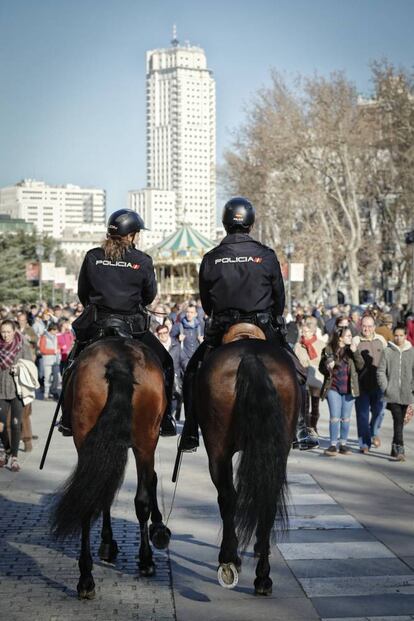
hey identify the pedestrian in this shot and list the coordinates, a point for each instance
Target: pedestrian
(410, 329)
(309, 350)
(370, 400)
(31, 337)
(385, 327)
(173, 347)
(396, 378)
(49, 350)
(13, 347)
(340, 363)
(188, 331)
(65, 339)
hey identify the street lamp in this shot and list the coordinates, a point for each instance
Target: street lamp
(409, 240)
(40, 251)
(387, 270)
(289, 250)
(52, 258)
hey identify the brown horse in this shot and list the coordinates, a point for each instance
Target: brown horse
(248, 400)
(116, 398)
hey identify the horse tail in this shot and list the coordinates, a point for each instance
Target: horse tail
(261, 483)
(102, 458)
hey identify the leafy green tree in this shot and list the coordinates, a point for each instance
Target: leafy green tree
(16, 250)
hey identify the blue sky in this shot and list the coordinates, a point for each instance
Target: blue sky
(72, 72)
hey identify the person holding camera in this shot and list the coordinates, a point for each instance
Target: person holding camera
(340, 363)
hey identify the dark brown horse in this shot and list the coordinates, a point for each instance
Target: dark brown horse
(248, 400)
(116, 398)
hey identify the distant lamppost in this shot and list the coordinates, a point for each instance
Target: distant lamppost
(52, 258)
(409, 240)
(387, 269)
(289, 250)
(40, 251)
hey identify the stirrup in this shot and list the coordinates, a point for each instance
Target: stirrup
(65, 431)
(188, 444)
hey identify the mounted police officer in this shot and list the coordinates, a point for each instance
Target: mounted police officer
(240, 281)
(116, 283)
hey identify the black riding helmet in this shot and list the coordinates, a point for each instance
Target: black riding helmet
(238, 214)
(123, 222)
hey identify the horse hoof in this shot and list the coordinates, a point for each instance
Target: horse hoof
(227, 575)
(86, 594)
(160, 536)
(263, 588)
(147, 571)
(108, 552)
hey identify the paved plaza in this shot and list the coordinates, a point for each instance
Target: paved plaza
(349, 552)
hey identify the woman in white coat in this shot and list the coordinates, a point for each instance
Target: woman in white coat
(395, 376)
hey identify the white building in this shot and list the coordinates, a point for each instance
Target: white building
(181, 135)
(158, 210)
(54, 208)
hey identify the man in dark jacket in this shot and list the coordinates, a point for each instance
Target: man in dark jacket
(240, 280)
(116, 282)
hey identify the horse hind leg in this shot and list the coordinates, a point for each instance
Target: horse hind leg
(263, 583)
(86, 584)
(229, 561)
(143, 512)
(159, 534)
(108, 550)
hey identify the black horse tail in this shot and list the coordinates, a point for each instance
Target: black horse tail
(102, 458)
(261, 474)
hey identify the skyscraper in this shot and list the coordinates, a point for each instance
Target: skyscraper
(181, 136)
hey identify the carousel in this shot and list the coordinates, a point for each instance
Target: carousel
(177, 261)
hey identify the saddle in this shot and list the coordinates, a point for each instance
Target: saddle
(114, 326)
(239, 331)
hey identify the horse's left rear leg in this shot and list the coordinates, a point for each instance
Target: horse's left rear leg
(263, 583)
(108, 550)
(86, 584)
(159, 534)
(230, 563)
(143, 512)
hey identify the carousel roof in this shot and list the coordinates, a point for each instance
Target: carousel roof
(185, 240)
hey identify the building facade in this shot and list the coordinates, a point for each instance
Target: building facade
(54, 208)
(181, 140)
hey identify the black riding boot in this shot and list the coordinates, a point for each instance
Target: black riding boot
(189, 436)
(304, 441)
(65, 423)
(167, 423)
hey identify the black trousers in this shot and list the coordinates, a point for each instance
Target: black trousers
(398, 413)
(16, 413)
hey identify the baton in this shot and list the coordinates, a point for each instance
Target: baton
(177, 464)
(52, 426)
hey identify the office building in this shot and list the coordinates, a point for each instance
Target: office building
(181, 134)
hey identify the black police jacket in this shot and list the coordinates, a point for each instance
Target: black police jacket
(117, 286)
(241, 274)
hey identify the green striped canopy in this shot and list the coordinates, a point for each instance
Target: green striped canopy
(185, 240)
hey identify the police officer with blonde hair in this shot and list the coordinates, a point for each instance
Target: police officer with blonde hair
(116, 283)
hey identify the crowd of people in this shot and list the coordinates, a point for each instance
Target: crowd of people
(362, 357)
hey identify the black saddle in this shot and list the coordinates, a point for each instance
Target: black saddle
(114, 326)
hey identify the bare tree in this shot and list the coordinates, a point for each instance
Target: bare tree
(307, 156)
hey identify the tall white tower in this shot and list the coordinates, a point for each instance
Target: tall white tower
(181, 142)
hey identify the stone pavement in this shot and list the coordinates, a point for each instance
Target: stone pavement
(349, 552)
(38, 576)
